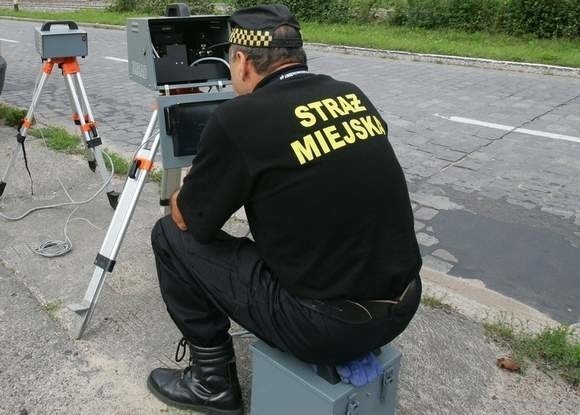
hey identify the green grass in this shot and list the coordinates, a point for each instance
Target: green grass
(562, 52)
(432, 301)
(553, 349)
(12, 116)
(52, 308)
(59, 139)
(85, 16)
(155, 175)
(120, 163)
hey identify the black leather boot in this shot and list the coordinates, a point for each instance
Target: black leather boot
(209, 384)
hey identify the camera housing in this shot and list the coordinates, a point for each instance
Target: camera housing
(60, 42)
(180, 55)
(181, 50)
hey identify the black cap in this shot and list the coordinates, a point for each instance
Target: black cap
(255, 27)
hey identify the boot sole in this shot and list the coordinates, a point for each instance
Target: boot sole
(199, 408)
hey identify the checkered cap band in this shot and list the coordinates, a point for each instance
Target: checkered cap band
(252, 38)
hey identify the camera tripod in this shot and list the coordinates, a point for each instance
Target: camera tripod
(82, 116)
(141, 165)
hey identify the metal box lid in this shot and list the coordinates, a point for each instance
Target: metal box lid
(305, 374)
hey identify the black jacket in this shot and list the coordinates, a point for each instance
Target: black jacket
(325, 196)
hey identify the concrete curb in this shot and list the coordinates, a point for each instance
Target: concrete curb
(451, 60)
(471, 298)
(535, 68)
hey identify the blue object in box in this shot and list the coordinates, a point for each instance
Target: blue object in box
(284, 385)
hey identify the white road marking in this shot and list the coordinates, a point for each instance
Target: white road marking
(510, 128)
(9, 40)
(111, 58)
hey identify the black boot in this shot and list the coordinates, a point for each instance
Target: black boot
(210, 384)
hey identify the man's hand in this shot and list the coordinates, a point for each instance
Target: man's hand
(176, 214)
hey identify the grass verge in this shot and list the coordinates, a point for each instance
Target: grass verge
(552, 350)
(59, 139)
(12, 116)
(562, 52)
(448, 42)
(120, 163)
(432, 301)
(156, 175)
(85, 16)
(52, 308)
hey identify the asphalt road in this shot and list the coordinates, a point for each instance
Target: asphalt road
(492, 157)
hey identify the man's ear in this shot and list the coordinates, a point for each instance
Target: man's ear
(245, 66)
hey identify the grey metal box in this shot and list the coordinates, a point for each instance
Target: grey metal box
(283, 385)
(164, 50)
(63, 41)
(199, 107)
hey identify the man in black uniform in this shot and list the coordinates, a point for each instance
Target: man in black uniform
(334, 269)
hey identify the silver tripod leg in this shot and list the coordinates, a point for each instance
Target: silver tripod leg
(170, 182)
(107, 255)
(21, 135)
(91, 136)
(88, 153)
(111, 194)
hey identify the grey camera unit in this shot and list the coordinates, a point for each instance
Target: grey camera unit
(182, 118)
(169, 51)
(60, 42)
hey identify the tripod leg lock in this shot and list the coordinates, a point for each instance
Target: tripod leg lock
(94, 142)
(20, 138)
(139, 164)
(25, 122)
(77, 119)
(105, 263)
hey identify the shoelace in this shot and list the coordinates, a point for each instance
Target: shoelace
(180, 354)
(181, 349)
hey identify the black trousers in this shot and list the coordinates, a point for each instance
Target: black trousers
(203, 285)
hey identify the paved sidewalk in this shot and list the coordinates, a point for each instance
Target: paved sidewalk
(448, 365)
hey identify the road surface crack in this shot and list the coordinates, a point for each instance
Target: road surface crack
(501, 137)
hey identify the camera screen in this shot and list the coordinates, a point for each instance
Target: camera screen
(185, 123)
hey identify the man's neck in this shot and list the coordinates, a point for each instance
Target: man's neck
(277, 69)
(283, 66)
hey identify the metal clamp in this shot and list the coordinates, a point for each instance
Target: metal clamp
(353, 407)
(388, 378)
(105, 263)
